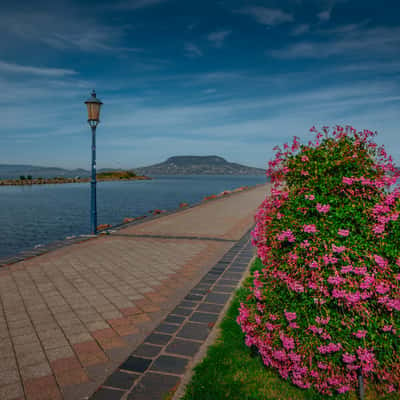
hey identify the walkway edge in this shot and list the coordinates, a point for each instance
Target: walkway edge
(213, 336)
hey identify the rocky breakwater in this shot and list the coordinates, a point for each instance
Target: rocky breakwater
(101, 177)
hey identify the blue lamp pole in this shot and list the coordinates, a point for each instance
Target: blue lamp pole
(93, 105)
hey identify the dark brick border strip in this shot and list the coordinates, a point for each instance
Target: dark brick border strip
(158, 365)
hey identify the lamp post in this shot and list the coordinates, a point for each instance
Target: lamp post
(93, 105)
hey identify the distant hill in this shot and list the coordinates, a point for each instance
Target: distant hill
(178, 165)
(9, 171)
(198, 165)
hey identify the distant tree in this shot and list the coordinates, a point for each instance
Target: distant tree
(22, 177)
(29, 177)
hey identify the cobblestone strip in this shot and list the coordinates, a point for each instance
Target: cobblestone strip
(157, 366)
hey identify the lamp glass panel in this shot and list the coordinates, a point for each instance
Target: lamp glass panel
(93, 111)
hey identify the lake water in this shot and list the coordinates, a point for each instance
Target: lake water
(40, 214)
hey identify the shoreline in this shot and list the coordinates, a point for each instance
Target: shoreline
(60, 181)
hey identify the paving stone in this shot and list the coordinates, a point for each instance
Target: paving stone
(167, 328)
(121, 380)
(11, 392)
(158, 338)
(107, 394)
(227, 282)
(211, 308)
(199, 292)
(174, 319)
(187, 304)
(194, 331)
(232, 275)
(203, 286)
(223, 288)
(135, 364)
(154, 386)
(237, 269)
(170, 364)
(218, 298)
(194, 297)
(182, 311)
(183, 347)
(147, 350)
(203, 317)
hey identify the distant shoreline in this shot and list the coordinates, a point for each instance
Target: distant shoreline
(52, 181)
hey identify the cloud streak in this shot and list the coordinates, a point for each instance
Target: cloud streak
(267, 16)
(192, 50)
(218, 38)
(25, 69)
(362, 42)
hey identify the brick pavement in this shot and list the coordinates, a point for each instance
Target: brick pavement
(68, 318)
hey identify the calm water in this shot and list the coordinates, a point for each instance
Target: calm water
(39, 214)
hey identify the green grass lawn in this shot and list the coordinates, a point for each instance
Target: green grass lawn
(230, 371)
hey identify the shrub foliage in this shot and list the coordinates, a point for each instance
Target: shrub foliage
(325, 306)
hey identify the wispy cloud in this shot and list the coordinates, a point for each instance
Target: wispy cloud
(325, 15)
(362, 42)
(192, 50)
(218, 38)
(69, 32)
(300, 29)
(25, 69)
(267, 16)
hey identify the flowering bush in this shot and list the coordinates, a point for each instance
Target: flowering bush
(325, 306)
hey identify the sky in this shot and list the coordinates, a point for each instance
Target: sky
(231, 78)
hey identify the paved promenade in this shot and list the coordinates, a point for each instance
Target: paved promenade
(70, 317)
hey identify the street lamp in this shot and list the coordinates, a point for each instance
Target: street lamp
(93, 105)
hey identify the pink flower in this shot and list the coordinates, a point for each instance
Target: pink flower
(322, 365)
(335, 280)
(290, 316)
(309, 228)
(353, 297)
(309, 197)
(287, 341)
(346, 269)
(360, 334)
(343, 232)
(304, 173)
(380, 261)
(367, 282)
(286, 235)
(269, 326)
(348, 358)
(387, 328)
(313, 265)
(323, 321)
(360, 270)
(330, 348)
(304, 158)
(343, 388)
(347, 181)
(378, 228)
(323, 209)
(338, 249)
(381, 288)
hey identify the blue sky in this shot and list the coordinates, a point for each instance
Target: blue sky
(232, 78)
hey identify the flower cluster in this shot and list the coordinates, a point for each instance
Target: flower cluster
(325, 301)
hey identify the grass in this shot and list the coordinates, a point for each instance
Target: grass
(231, 371)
